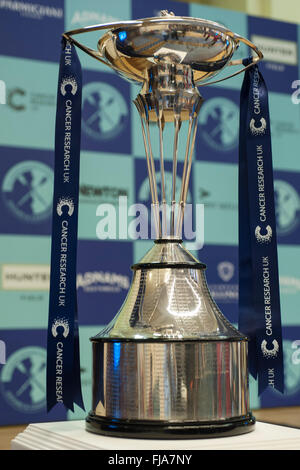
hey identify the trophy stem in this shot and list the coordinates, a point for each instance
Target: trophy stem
(162, 171)
(151, 169)
(193, 121)
(169, 96)
(177, 123)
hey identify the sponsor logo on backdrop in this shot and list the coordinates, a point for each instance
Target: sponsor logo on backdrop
(29, 277)
(31, 9)
(104, 111)
(276, 50)
(37, 277)
(27, 191)
(19, 99)
(219, 123)
(88, 17)
(225, 270)
(225, 291)
(203, 194)
(289, 285)
(287, 128)
(287, 203)
(102, 281)
(90, 193)
(23, 379)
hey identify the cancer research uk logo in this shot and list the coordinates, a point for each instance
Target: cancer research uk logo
(61, 323)
(65, 201)
(23, 379)
(269, 352)
(68, 81)
(259, 129)
(27, 191)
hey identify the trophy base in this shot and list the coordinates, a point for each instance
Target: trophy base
(164, 430)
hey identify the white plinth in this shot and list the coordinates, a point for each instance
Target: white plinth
(71, 435)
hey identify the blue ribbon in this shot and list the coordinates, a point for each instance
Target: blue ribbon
(63, 365)
(259, 299)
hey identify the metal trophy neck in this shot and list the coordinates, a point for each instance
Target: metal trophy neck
(169, 300)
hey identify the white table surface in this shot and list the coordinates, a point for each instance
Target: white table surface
(71, 435)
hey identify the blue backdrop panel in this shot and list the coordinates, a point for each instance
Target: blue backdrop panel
(30, 29)
(23, 379)
(26, 180)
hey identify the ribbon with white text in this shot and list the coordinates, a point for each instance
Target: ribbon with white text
(63, 364)
(259, 299)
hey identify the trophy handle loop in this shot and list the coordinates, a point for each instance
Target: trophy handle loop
(255, 60)
(68, 35)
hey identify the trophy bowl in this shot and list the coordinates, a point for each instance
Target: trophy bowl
(169, 365)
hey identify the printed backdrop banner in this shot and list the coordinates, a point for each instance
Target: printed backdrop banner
(113, 165)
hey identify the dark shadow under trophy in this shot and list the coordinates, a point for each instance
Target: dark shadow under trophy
(169, 365)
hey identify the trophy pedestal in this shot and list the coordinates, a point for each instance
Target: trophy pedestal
(170, 389)
(170, 365)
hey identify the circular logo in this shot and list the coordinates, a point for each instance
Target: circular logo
(23, 380)
(219, 123)
(27, 191)
(104, 111)
(225, 270)
(291, 370)
(287, 203)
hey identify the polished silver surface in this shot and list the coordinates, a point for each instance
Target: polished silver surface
(170, 302)
(169, 97)
(132, 47)
(173, 382)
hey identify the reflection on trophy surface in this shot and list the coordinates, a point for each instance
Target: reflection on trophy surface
(169, 365)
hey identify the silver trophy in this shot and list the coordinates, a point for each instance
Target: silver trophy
(169, 365)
